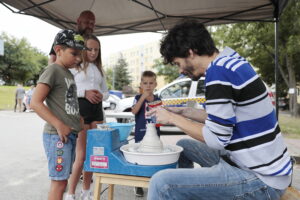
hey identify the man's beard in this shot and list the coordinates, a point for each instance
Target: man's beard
(85, 32)
(189, 71)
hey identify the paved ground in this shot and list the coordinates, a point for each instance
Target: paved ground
(23, 165)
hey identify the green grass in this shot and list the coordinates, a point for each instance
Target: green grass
(7, 97)
(290, 126)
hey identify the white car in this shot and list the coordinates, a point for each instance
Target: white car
(111, 102)
(181, 92)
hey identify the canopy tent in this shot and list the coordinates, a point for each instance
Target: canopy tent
(131, 16)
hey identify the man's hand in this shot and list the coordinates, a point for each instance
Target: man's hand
(94, 96)
(162, 115)
(177, 110)
(63, 132)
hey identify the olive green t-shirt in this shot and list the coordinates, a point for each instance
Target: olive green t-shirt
(62, 97)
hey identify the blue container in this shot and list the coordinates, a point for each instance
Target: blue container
(124, 129)
(103, 156)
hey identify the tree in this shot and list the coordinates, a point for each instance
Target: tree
(169, 72)
(121, 74)
(255, 41)
(109, 78)
(21, 63)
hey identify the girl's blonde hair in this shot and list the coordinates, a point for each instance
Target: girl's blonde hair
(97, 62)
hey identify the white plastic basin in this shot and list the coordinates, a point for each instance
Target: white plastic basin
(169, 155)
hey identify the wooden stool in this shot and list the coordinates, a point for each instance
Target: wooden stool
(139, 181)
(291, 194)
(115, 179)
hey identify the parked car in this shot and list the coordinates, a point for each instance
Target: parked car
(283, 103)
(117, 93)
(181, 92)
(111, 102)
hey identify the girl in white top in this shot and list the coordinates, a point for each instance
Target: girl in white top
(91, 91)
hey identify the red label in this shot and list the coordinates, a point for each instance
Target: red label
(99, 162)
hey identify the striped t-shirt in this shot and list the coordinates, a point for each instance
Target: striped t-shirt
(242, 120)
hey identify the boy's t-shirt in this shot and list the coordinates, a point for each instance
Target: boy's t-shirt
(62, 97)
(140, 121)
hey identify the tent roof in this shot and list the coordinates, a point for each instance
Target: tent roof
(131, 16)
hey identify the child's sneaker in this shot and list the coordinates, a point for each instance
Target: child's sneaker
(70, 197)
(138, 191)
(85, 195)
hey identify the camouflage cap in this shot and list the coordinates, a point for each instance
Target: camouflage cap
(71, 39)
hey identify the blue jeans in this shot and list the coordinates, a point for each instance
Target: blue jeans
(215, 180)
(60, 155)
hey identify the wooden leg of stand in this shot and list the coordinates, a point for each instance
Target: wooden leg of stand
(97, 189)
(111, 191)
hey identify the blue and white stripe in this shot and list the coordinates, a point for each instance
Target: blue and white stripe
(241, 117)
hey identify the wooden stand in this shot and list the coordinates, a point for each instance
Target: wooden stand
(115, 179)
(139, 181)
(291, 194)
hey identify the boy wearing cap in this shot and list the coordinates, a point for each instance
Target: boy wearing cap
(57, 87)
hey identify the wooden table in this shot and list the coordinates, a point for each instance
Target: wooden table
(115, 179)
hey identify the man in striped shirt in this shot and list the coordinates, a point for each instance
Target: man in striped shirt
(238, 143)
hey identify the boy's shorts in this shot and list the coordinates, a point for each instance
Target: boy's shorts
(60, 155)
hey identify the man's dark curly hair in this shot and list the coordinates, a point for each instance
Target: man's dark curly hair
(184, 36)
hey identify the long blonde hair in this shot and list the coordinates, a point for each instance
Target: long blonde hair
(97, 62)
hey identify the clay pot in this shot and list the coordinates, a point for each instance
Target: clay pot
(151, 142)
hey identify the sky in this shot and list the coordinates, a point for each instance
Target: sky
(41, 34)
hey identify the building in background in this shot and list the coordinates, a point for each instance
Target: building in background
(139, 59)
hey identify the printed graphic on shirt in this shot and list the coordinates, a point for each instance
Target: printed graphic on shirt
(71, 103)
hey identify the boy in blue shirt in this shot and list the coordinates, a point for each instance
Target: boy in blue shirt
(147, 86)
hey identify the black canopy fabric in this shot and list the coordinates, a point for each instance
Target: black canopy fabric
(132, 16)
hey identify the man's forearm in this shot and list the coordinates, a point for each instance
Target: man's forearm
(191, 128)
(198, 115)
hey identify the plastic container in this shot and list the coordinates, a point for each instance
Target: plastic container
(124, 128)
(169, 155)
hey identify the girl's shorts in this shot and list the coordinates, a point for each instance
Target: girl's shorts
(90, 112)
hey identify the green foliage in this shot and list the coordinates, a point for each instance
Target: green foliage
(21, 63)
(255, 41)
(121, 74)
(109, 78)
(169, 72)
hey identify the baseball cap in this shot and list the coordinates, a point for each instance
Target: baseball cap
(70, 38)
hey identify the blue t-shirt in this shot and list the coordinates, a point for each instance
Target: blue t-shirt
(140, 121)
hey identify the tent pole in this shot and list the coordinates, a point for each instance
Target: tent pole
(276, 64)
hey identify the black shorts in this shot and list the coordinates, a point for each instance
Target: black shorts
(90, 112)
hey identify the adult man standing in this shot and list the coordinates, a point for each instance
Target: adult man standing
(85, 26)
(238, 143)
(19, 96)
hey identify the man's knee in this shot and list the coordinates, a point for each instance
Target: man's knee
(184, 142)
(161, 179)
(189, 143)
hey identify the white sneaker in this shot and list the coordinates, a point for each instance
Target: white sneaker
(85, 195)
(70, 197)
